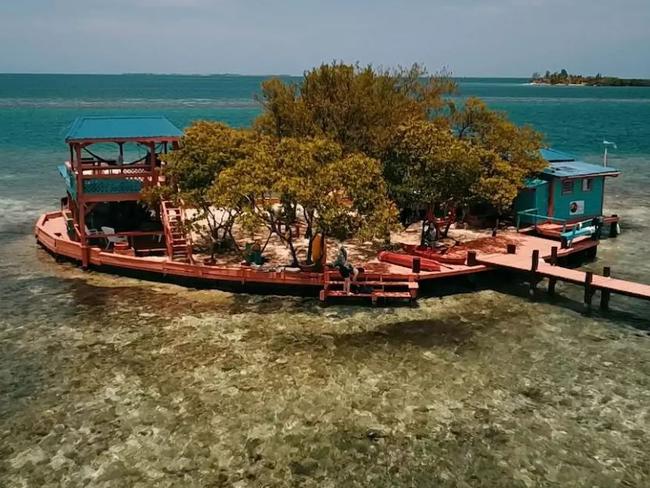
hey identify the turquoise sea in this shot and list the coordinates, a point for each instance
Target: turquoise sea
(106, 381)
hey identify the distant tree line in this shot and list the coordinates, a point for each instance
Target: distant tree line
(564, 78)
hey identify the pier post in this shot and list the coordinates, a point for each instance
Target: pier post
(415, 266)
(604, 294)
(554, 256)
(535, 261)
(613, 228)
(589, 277)
(552, 281)
(512, 248)
(471, 258)
(533, 272)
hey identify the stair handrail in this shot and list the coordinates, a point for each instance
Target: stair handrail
(166, 227)
(186, 231)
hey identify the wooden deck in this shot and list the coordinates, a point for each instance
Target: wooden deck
(386, 280)
(535, 264)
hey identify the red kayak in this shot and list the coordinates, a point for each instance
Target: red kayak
(406, 260)
(455, 255)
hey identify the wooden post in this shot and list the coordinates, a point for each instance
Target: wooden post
(604, 293)
(613, 228)
(535, 261)
(471, 258)
(554, 256)
(81, 210)
(512, 248)
(533, 272)
(415, 266)
(551, 285)
(589, 277)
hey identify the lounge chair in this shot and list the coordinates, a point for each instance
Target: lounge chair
(113, 239)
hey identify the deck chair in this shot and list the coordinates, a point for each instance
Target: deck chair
(113, 239)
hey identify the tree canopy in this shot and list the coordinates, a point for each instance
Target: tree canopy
(336, 194)
(510, 153)
(206, 149)
(428, 165)
(360, 108)
(346, 148)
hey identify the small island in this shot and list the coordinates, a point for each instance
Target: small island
(567, 79)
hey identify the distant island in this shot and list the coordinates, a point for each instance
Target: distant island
(564, 78)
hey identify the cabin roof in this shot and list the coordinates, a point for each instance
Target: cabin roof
(564, 165)
(117, 128)
(573, 169)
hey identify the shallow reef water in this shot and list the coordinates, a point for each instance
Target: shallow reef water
(116, 382)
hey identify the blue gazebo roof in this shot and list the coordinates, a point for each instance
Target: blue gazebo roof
(117, 128)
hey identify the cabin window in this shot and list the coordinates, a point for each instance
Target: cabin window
(587, 184)
(567, 187)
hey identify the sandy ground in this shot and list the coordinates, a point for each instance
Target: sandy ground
(278, 254)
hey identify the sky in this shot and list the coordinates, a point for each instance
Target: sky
(467, 37)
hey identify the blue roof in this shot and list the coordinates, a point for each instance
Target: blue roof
(572, 169)
(120, 128)
(555, 156)
(564, 165)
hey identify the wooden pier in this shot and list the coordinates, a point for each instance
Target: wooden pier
(530, 261)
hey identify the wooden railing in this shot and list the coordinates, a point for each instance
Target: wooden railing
(187, 232)
(166, 228)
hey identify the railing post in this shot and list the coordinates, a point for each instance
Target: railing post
(554, 255)
(533, 271)
(605, 293)
(415, 264)
(471, 258)
(535, 260)
(512, 248)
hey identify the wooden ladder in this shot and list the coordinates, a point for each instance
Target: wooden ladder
(179, 244)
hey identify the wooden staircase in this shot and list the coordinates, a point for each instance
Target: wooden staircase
(370, 285)
(179, 244)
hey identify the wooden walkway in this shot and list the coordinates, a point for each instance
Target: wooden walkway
(539, 269)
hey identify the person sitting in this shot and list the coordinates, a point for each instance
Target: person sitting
(253, 254)
(347, 270)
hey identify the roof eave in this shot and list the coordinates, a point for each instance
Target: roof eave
(123, 139)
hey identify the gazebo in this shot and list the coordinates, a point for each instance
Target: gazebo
(93, 180)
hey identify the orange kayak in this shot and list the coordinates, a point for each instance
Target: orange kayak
(406, 260)
(455, 255)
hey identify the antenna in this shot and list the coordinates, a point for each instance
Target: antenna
(607, 144)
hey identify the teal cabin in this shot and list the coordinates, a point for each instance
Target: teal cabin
(567, 191)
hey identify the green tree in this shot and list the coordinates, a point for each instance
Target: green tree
(509, 154)
(358, 107)
(206, 150)
(336, 194)
(429, 167)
